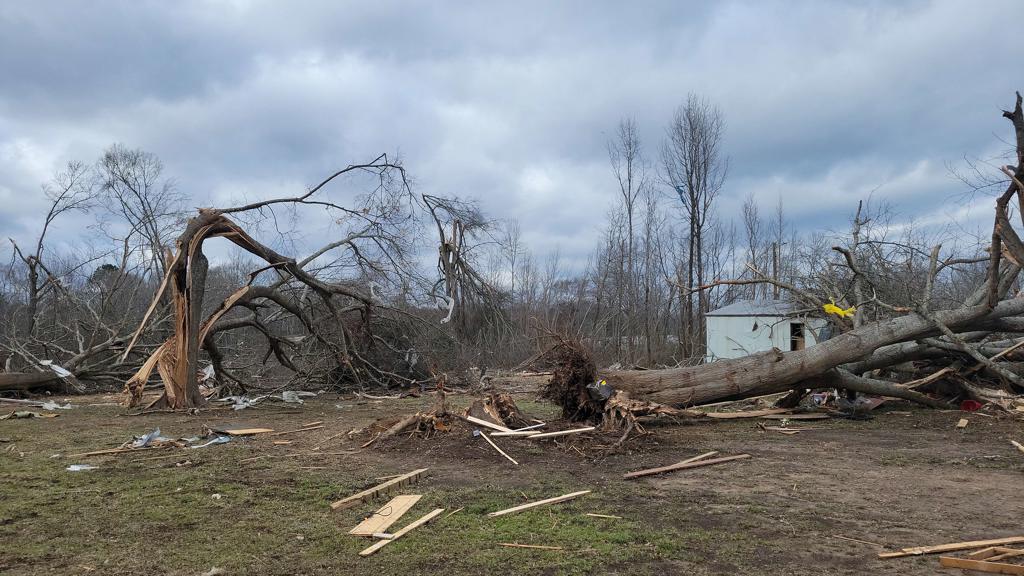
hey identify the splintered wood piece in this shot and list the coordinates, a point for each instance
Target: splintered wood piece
(748, 414)
(526, 433)
(554, 500)
(560, 433)
(308, 424)
(796, 417)
(500, 451)
(246, 431)
(981, 565)
(308, 429)
(953, 547)
(388, 514)
(486, 424)
(534, 546)
(962, 423)
(609, 516)
(416, 524)
(282, 442)
(1018, 445)
(1004, 553)
(376, 490)
(684, 465)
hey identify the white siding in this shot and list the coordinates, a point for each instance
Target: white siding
(736, 336)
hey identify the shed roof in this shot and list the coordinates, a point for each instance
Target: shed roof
(756, 308)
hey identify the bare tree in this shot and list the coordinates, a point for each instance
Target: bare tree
(695, 168)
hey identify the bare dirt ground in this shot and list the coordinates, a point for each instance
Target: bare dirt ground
(902, 479)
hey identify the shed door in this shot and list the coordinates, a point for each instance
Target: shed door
(796, 336)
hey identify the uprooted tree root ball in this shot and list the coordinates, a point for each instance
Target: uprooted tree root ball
(573, 371)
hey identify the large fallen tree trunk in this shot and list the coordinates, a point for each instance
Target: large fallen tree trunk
(775, 371)
(25, 381)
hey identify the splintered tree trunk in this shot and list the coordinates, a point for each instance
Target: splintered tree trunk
(775, 371)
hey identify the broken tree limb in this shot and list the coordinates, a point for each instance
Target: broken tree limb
(685, 464)
(398, 534)
(377, 490)
(554, 500)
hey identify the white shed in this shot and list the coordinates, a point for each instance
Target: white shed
(749, 326)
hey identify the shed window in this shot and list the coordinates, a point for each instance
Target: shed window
(796, 336)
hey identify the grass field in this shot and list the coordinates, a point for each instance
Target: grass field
(897, 480)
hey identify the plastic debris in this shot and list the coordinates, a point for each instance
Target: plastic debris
(291, 397)
(80, 467)
(145, 439)
(831, 308)
(217, 440)
(50, 405)
(56, 369)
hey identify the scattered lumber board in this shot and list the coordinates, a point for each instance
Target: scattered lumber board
(416, 524)
(813, 416)
(486, 424)
(685, 464)
(500, 451)
(962, 423)
(747, 414)
(377, 490)
(307, 429)
(953, 547)
(245, 431)
(1018, 445)
(388, 514)
(526, 433)
(534, 546)
(554, 500)
(561, 433)
(981, 565)
(609, 516)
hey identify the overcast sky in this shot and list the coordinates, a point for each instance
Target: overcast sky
(512, 103)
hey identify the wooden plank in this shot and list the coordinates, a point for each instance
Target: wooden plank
(983, 553)
(953, 547)
(388, 514)
(1004, 553)
(486, 424)
(534, 546)
(523, 433)
(245, 431)
(685, 465)
(1018, 445)
(747, 414)
(554, 500)
(796, 417)
(416, 524)
(561, 433)
(609, 516)
(962, 423)
(308, 424)
(500, 451)
(310, 429)
(376, 490)
(282, 442)
(981, 565)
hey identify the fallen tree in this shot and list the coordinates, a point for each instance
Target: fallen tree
(911, 331)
